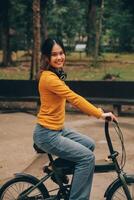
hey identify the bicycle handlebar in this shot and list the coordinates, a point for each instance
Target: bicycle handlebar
(107, 135)
(110, 119)
(109, 141)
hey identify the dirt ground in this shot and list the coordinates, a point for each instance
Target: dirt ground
(17, 154)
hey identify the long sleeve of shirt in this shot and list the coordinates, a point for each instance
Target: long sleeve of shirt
(53, 95)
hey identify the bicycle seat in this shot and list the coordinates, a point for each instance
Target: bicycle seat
(37, 149)
(65, 165)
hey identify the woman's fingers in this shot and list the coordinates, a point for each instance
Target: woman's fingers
(109, 116)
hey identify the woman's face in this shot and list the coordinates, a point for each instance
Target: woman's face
(57, 58)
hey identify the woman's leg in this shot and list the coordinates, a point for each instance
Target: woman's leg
(78, 137)
(53, 142)
(90, 144)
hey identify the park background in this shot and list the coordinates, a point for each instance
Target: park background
(98, 36)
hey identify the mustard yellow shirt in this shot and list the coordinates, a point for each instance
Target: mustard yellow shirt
(53, 95)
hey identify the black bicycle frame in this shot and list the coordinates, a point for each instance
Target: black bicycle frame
(113, 155)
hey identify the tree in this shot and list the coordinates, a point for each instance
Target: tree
(5, 30)
(118, 23)
(66, 20)
(91, 26)
(36, 38)
(98, 31)
(44, 31)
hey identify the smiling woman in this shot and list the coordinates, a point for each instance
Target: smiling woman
(50, 135)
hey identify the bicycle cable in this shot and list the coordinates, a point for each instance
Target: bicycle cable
(123, 151)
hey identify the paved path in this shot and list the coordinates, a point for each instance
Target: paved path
(17, 154)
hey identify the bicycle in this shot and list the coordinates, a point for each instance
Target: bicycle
(27, 187)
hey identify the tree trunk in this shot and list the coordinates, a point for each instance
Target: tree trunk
(6, 60)
(91, 22)
(36, 37)
(44, 32)
(98, 32)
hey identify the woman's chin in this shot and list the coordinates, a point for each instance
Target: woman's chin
(58, 66)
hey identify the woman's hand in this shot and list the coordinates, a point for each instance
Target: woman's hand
(109, 115)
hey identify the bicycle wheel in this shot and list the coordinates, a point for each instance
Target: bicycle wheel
(14, 188)
(117, 191)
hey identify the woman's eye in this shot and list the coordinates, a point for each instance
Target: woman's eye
(54, 54)
(61, 53)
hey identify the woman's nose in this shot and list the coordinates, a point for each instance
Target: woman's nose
(59, 56)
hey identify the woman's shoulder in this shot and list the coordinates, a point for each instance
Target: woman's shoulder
(47, 72)
(48, 76)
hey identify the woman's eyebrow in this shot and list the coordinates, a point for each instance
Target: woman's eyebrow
(56, 51)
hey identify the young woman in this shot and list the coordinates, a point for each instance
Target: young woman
(50, 134)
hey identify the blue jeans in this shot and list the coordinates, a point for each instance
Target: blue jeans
(72, 146)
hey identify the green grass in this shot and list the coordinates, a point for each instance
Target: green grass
(121, 65)
(98, 74)
(79, 67)
(125, 73)
(17, 73)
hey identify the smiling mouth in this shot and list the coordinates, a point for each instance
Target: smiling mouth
(59, 63)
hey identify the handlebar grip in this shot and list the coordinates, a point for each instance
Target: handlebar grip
(110, 119)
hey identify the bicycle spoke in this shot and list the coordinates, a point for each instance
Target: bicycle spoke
(132, 191)
(120, 194)
(15, 190)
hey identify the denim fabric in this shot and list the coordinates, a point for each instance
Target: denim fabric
(73, 146)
